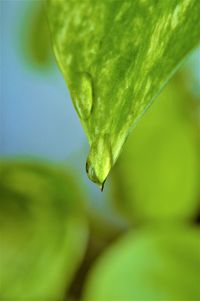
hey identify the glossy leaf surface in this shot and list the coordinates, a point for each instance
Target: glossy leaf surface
(116, 56)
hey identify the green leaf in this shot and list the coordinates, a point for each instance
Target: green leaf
(116, 56)
(157, 176)
(43, 234)
(148, 266)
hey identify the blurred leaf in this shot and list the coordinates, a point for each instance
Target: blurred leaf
(36, 37)
(157, 175)
(116, 56)
(43, 234)
(148, 266)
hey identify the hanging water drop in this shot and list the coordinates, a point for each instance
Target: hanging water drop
(84, 101)
(99, 161)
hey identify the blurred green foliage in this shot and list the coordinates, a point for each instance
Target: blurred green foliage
(153, 264)
(35, 36)
(43, 232)
(157, 176)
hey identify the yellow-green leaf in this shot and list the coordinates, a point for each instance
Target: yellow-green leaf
(116, 56)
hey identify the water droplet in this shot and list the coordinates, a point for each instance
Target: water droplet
(99, 161)
(84, 100)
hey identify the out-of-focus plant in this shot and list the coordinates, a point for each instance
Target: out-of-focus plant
(157, 176)
(35, 38)
(159, 264)
(43, 231)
